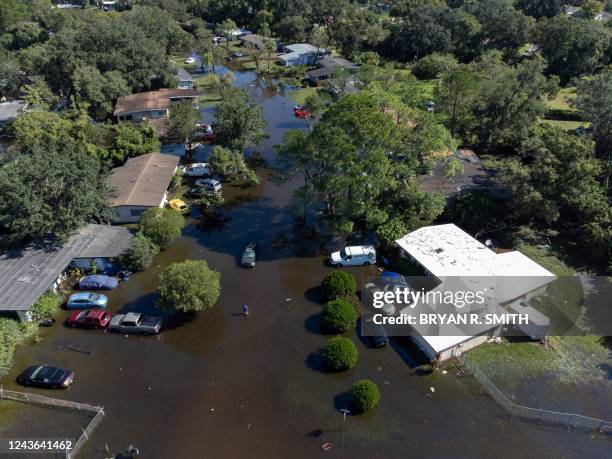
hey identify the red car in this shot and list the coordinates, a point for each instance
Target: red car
(91, 318)
(301, 112)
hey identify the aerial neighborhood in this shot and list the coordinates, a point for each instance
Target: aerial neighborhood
(326, 219)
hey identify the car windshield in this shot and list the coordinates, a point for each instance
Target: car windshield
(93, 297)
(343, 253)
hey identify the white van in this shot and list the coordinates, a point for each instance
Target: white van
(356, 255)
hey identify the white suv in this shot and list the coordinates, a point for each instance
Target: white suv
(197, 170)
(356, 255)
(209, 185)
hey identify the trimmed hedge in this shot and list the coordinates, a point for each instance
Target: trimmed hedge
(339, 316)
(365, 395)
(338, 284)
(340, 354)
(564, 114)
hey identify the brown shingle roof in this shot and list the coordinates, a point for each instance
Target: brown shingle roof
(151, 100)
(143, 180)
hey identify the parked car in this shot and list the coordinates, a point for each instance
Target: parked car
(356, 255)
(92, 318)
(376, 333)
(209, 185)
(98, 282)
(197, 170)
(135, 323)
(87, 300)
(249, 256)
(238, 54)
(300, 111)
(46, 376)
(179, 206)
(190, 60)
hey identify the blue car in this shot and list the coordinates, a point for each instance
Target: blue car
(86, 300)
(98, 282)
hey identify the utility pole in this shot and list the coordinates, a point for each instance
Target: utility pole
(344, 413)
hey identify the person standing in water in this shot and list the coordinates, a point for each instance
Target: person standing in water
(245, 309)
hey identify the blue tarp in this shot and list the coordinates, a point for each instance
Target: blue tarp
(98, 282)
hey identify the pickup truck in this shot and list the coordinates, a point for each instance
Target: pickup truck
(135, 323)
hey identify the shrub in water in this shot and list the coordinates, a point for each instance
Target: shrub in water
(365, 395)
(338, 284)
(339, 316)
(340, 354)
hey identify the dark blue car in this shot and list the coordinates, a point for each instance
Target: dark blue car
(98, 282)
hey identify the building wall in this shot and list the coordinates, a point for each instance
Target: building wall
(129, 214)
(135, 117)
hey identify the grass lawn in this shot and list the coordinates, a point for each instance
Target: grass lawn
(561, 101)
(567, 125)
(300, 95)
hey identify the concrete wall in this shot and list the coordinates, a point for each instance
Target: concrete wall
(129, 214)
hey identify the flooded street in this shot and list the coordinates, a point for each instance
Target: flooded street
(228, 386)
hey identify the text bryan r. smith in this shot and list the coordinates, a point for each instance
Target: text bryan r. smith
(452, 319)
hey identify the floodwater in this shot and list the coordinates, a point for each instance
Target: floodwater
(228, 386)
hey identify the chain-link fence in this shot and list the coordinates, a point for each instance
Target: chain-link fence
(569, 420)
(59, 403)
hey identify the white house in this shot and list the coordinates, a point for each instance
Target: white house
(141, 183)
(301, 54)
(457, 261)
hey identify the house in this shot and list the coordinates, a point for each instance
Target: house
(326, 66)
(185, 80)
(237, 32)
(151, 105)
(571, 10)
(603, 16)
(253, 41)
(26, 273)
(469, 175)
(455, 261)
(301, 54)
(9, 111)
(140, 184)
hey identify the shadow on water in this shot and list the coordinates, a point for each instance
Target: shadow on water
(314, 361)
(314, 295)
(313, 324)
(411, 355)
(199, 333)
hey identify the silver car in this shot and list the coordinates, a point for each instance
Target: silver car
(135, 323)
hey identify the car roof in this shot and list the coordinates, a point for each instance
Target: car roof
(132, 316)
(358, 249)
(82, 295)
(97, 313)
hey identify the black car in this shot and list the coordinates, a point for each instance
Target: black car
(375, 332)
(46, 376)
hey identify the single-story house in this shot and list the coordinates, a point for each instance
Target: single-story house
(185, 80)
(26, 273)
(301, 54)
(471, 175)
(151, 105)
(603, 16)
(326, 65)
(239, 32)
(141, 183)
(9, 111)
(253, 41)
(458, 262)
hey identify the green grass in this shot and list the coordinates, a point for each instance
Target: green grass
(562, 99)
(546, 258)
(300, 95)
(427, 87)
(567, 125)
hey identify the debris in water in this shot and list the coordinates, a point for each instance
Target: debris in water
(326, 446)
(288, 299)
(444, 372)
(212, 409)
(432, 388)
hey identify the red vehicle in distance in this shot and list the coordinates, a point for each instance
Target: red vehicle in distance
(91, 318)
(300, 111)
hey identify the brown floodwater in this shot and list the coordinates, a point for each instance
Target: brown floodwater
(227, 386)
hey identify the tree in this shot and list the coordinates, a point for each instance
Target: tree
(38, 94)
(141, 254)
(339, 316)
(10, 74)
(225, 29)
(365, 395)
(338, 284)
(434, 65)
(161, 225)
(227, 162)
(188, 286)
(292, 29)
(391, 231)
(540, 8)
(591, 8)
(51, 188)
(183, 119)
(46, 306)
(239, 121)
(22, 35)
(209, 200)
(455, 93)
(129, 140)
(340, 354)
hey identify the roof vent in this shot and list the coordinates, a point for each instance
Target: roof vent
(439, 250)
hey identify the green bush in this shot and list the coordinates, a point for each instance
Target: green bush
(140, 256)
(339, 316)
(46, 306)
(188, 286)
(340, 354)
(433, 66)
(365, 395)
(12, 334)
(161, 225)
(338, 284)
(564, 114)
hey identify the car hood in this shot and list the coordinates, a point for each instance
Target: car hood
(335, 256)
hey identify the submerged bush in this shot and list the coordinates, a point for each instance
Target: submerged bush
(365, 395)
(339, 316)
(140, 256)
(340, 354)
(161, 225)
(338, 284)
(46, 306)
